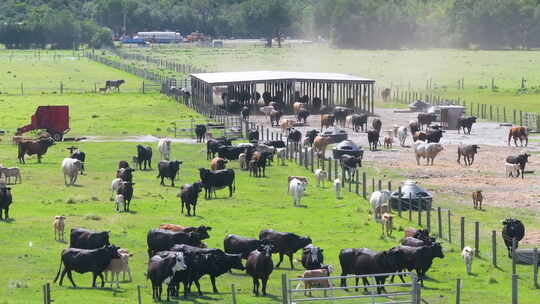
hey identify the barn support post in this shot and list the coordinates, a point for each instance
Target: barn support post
(458, 291)
(439, 220)
(462, 232)
(449, 226)
(514, 289)
(494, 248)
(477, 239)
(364, 185)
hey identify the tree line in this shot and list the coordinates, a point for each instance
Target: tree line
(374, 24)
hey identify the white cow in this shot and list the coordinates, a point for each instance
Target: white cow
(281, 154)
(321, 176)
(377, 200)
(164, 147)
(337, 187)
(426, 150)
(115, 185)
(402, 135)
(71, 168)
(467, 254)
(296, 189)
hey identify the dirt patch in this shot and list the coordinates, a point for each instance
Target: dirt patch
(532, 237)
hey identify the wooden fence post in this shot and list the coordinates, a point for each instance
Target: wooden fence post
(400, 207)
(233, 293)
(514, 289)
(330, 170)
(535, 267)
(364, 186)
(439, 219)
(357, 182)
(458, 291)
(312, 160)
(336, 171)
(410, 207)
(61, 87)
(380, 185)
(428, 219)
(462, 232)
(514, 245)
(390, 186)
(139, 299)
(477, 238)
(284, 289)
(449, 227)
(494, 248)
(372, 184)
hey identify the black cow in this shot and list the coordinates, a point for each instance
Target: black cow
(200, 132)
(358, 121)
(466, 123)
(373, 139)
(219, 179)
(360, 261)
(513, 229)
(520, 159)
(162, 268)
(160, 239)
(109, 84)
(230, 152)
(245, 113)
(253, 134)
(275, 116)
(5, 201)
(88, 239)
(126, 189)
(312, 257)
(125, 174)
(86, 260)
(212, 146)
(376, 124)
(294, 137)
(310, 137)
(302, 115)
(259, 160)
(123, 164)
(275, 143)
(189, 193)
(418, 258)
(350, 164)
(468, 152)
(144, 155)
(168, 169)
(316, 104)
(434, 135)
(259, 265)
(285, 243)
(75, 153)
(340, 115)
(236, 244)
(426, 119)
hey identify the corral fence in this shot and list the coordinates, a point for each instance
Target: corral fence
(230, 127)
(294, 291)
(25, 88)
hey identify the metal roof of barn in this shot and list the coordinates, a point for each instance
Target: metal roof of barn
(223, 78)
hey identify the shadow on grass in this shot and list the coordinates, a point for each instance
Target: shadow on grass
(8, 220)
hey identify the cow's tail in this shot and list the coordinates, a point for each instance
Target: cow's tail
(59, 268)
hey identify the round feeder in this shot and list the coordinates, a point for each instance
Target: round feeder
(412, 196)
(337, 134)
(347, 147)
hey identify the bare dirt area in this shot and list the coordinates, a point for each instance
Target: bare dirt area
(446, 175)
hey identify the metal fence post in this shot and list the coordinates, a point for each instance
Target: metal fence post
(449, 227)
(439, 219)
(535, 267)
(458, 291)
(462, 232)
(284, 291)
(514, 289)
(477, 238)
(139, 299)
(364, 187)
(494, 247)
(233, 293)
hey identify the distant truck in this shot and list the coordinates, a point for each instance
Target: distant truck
(53, 119)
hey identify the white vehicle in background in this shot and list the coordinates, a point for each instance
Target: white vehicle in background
(160, 37)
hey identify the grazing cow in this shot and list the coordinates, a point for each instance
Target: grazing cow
(337, 188)
(413, 126)
(286, 125)
(388, 141)
(125, 174)
(281, 154)
(310, 282)
(119, 202)
(320, 143)
(126, 191)
(259, 266)
(162, 269)
(215, 180)
(327, 120)
(402, 135)
(468, 152)
(38, 147)
(385, 94)
(418, 258)
(260, 159)
(466, 123)
(87, 239)
(123, 164)
(340, 115)
(302, 116)
(285, 243)
(160, 239)
(427, 151)
(189, 194)
(168, 169)
(212, 146)
(477, 199)
(521, 133)
(5, 201)
(376, 200)
(71, 168)
(77, 154)
(387, 224)
(86, 260)
(376, 124)
(164, 148)
(59, 225)
(360, 261)
(11, 172)
(434, 135)
(218, 163)
(144, 155)
(426, 119)
(235, 244)
(520, 159)
(296, 189)
(512, 170)
(119, 265)
(513, 229)
(321, 176)
(200, 133)
(310, 137)
(297, 106)
(359, 121)
(350, 164)
(312, 257)
(244, 113)
(467, 254)
(294, 137)
(230, 152)
(275, 116)
(373, 139)
(109, 84)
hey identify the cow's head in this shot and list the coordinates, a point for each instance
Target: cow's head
(180, 263)
(437, 250)
(197, 187)
(235, 261)
(475, 148)
(175, 165)
(112, 251)
(304, 241)
(203, 231)
(266, 248)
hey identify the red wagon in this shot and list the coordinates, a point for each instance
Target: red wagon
(53, 119)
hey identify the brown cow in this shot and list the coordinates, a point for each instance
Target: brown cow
(419, 136)
(477, 199)
(317, 283)
(32, 147)
(327, 120)
(520, 133)
(297, 106)
(286, 124)
(320, 143)
(218, 163)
